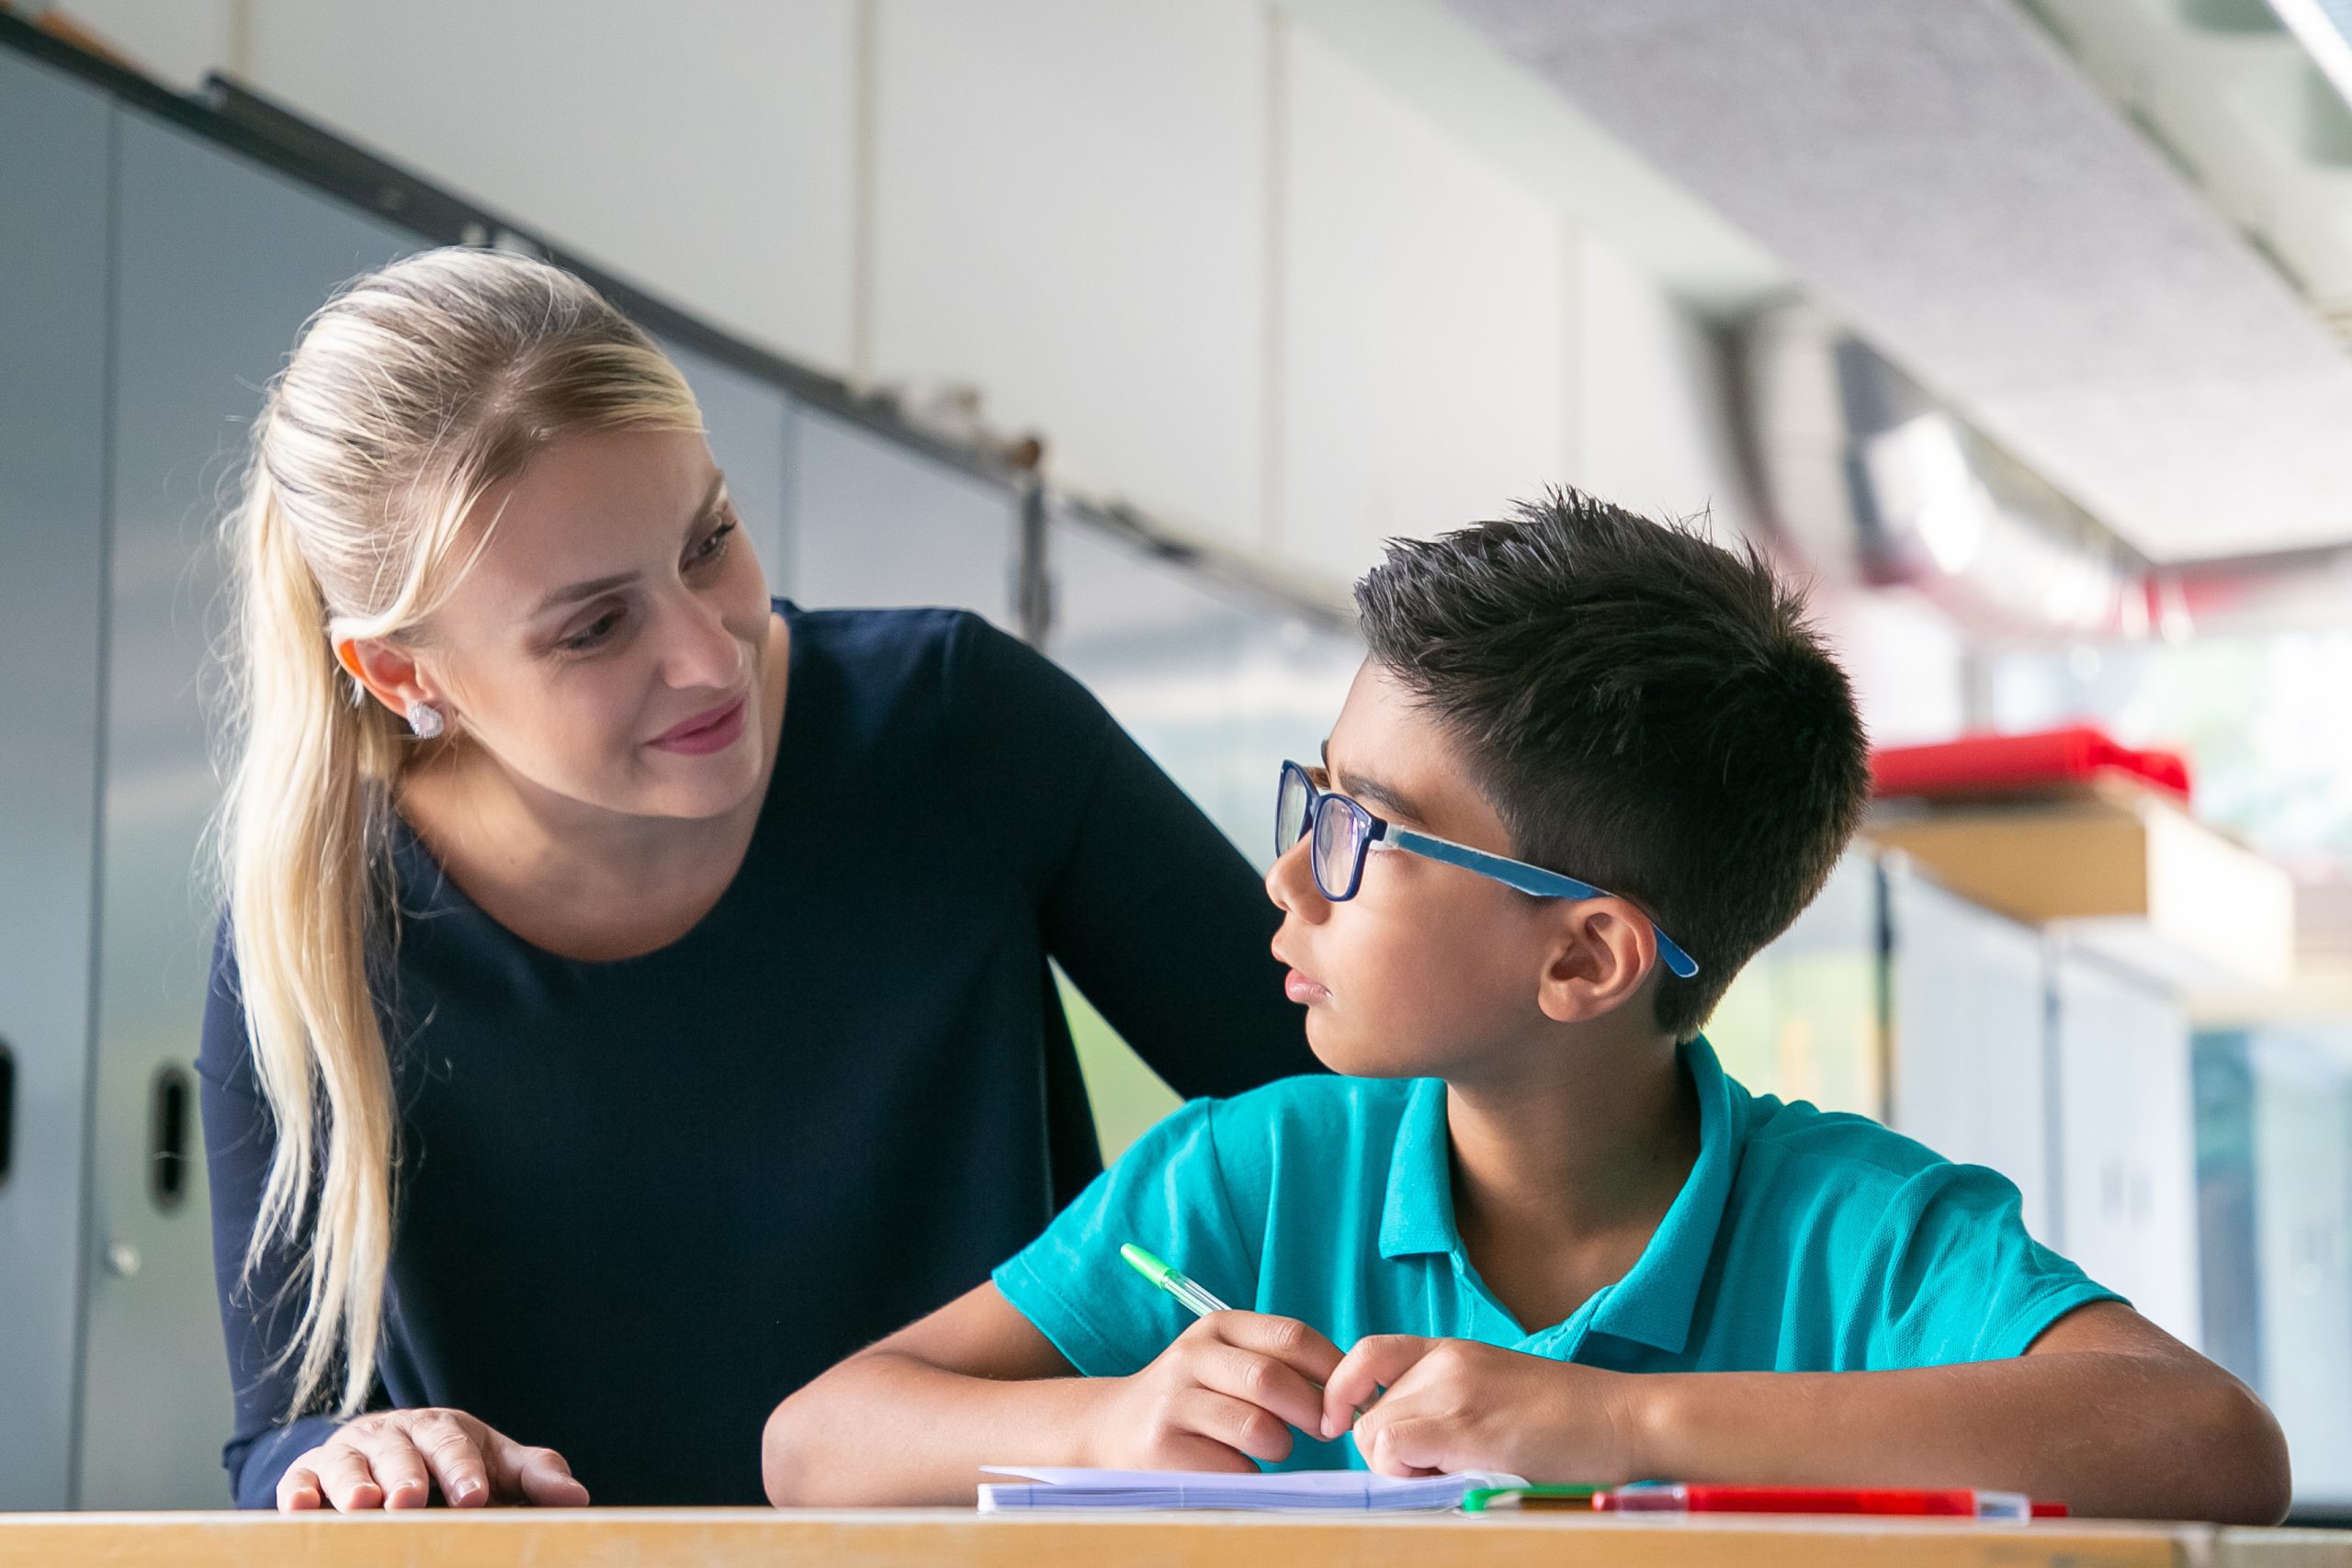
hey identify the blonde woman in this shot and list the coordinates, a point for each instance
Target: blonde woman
(632, 995)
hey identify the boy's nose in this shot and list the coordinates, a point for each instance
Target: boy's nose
(1290, 882)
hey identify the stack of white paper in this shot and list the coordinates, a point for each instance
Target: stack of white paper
(1340, 1491)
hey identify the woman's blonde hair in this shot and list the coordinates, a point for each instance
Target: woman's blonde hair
(414, 390)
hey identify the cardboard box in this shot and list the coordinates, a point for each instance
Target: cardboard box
(2122, 870)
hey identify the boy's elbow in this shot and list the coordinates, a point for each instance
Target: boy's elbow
(2245, 1450)
(782, 1465)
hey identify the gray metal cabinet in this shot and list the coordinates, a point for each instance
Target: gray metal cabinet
(875, 522)
(1802, 1020)
(1216, 686)
(2302, 1152)
(749, 424)
(2127, 1137)
(52, 564)
(1969, 1005)
(217, 264)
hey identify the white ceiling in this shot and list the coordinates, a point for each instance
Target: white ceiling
(1942, 178)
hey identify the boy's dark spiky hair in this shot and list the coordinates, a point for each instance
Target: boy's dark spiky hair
(1646, 710)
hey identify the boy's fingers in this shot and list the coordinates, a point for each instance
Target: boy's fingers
(1285, 1338)
(1259, 1379)
(1236, 1423)
(1376, 1363)
(1414, 1446)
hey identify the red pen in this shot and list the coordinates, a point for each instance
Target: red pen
(1953, 1501)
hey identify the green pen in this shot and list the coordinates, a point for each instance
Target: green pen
(1177, 1283)
(1196, 1301)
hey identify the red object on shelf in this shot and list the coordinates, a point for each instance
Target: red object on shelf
(1996, 764)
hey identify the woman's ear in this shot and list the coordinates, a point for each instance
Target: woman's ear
(1602, 957)
(389, 672)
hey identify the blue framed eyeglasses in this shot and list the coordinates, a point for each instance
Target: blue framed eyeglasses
(1345, 833)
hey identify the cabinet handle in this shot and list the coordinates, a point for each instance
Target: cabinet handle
(167, 1137)
(7, 1110)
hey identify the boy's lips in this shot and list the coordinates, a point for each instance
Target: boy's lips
(1296, 986)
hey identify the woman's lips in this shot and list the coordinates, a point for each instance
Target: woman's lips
(705, 732)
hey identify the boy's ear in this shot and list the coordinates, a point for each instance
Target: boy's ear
(1604, 957)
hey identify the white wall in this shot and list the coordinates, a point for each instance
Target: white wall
(1070, 213)
(1421, 357)
(1229, 273)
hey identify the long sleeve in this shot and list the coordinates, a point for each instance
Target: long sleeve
(1152, 911)
(257, 1313)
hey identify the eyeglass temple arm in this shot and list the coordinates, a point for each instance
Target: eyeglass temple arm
(1531, 879)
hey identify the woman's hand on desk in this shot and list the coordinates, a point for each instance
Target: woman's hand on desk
(1228, 1391)
(396, 1459)
(1448, 1405)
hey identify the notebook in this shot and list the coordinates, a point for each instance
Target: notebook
(1336, 1491)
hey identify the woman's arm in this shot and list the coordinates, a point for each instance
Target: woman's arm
(384, 1459)
(1157, 918)
(257, 1314)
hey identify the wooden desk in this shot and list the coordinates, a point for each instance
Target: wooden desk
(730, 1538)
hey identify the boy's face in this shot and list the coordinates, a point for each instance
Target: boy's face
(1431, 970)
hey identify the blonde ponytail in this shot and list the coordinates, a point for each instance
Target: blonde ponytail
(412, 391)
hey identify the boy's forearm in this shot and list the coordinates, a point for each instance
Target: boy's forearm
(2114, 1435)
(885, 1428)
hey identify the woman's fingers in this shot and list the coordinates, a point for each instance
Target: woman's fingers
(401, 1472)
(297, 1490)
(397, 1458)
(539, 1476)
(453, 1452)
(347, 1478)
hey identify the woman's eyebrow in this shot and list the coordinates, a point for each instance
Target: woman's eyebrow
(588, 588)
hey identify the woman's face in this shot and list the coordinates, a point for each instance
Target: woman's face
(610, 646)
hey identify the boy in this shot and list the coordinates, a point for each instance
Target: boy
(1551, 1235)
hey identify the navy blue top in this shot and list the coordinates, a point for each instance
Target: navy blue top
(641, 1202)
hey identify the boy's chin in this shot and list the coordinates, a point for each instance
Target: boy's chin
(1358, 1059)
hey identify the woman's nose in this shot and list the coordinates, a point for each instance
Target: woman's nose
(701, 651)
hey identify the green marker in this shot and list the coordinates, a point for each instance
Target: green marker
(1197, 1302)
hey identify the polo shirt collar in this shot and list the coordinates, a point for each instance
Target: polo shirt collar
(1654, 1303)
(1419, 1215)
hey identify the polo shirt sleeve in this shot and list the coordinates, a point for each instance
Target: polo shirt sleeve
(1952, 1275)
(1167, 1194)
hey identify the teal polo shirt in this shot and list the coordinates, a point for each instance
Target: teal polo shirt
(1802, 1241)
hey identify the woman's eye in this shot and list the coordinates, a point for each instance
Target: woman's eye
(594, 632)
(714, 544)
